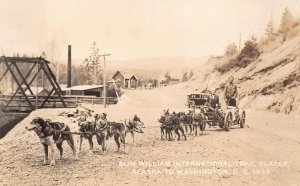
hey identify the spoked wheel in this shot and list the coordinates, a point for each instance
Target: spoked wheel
(220, 121)
(243, 119)
(228, 121)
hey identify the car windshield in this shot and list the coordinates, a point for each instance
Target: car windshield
(198, 96)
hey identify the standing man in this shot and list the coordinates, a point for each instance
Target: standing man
(214, 99)
(230, 93)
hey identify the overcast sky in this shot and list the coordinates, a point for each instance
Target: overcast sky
(130, 29)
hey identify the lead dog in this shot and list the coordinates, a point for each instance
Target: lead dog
(51, 133)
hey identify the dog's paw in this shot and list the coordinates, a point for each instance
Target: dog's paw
(91, 152)
(45, 163)
(59, 158)
(104, 152)
(52, 163)
(76, 158)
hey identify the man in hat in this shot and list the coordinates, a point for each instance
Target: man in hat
(230, 93)
(214, 100)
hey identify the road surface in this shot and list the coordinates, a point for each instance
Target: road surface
(266, 152)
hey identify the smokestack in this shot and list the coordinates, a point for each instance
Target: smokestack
(69, 75)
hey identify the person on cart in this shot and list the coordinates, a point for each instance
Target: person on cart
(231, 93)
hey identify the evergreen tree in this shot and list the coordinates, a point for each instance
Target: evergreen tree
(191, 74)
(286, 23)
(270, 31)
(184, 77)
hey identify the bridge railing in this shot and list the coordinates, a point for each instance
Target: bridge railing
(53, 101)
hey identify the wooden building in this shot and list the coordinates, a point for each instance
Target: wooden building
(126, 80)
(84, 90)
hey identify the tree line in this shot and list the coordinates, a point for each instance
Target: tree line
(252, 47)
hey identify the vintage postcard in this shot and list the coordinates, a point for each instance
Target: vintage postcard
(150, 92)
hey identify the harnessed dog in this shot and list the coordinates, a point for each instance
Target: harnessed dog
(165, 128)
(198, 121)
(133, 126)
(186, 120)
(89, 129)
(117, 130)
(51, 133)
(177, 125)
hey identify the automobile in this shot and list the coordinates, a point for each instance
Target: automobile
(195, 100)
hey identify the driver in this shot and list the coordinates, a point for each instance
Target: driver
(230, 93)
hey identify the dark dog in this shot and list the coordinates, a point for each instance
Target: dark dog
(132, 127)
(169, 123)
(187, 121)
(198, 121)
(118, 131)
(51, 133)
(165, 128)
(89, 129)
(177, 125)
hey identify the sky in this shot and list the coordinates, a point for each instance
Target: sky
(132, 29)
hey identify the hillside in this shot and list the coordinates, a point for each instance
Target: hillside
(269, 83)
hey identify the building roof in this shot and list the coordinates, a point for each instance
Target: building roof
(82, 87)
(126, 75)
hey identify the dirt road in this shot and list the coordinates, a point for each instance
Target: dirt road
(267, 152)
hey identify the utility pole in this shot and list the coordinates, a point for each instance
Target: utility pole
(104, 78)
(69, 71)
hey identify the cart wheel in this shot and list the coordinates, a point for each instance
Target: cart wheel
(243, 119)
(220, 122)
(228, 121)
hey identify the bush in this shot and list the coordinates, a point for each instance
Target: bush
(231, 50)
(250, 51)
(232, 63)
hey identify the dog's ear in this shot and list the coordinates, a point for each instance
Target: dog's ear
(40, 120)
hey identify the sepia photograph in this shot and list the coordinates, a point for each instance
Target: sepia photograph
(150, 92)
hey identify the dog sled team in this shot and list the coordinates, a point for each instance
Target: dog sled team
(180, 122)
(209, 113)
(53, 134)
(193, 122)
